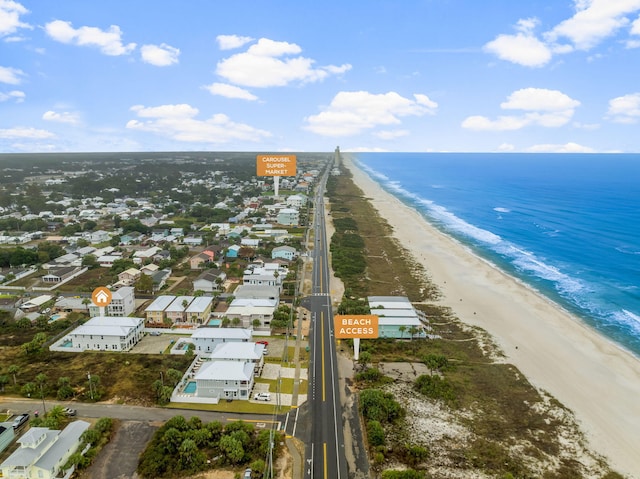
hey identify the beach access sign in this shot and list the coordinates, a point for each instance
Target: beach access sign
(363, 326)
(276, 165)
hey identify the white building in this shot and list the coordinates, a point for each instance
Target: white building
(103, 333)
(43, 452)
(123, 303)
(248, 310)
(288, 216)
(284, 252)
(206, 339)
(225, 379)
(251, 352)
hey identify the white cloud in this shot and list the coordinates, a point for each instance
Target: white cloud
(10, 75)
(178, 122)
(391, 134)
(351, 113)
(64, 117)
(263, 65)
(21, 132)
(10, 12)
(635, 30)
(548, 108)
(159, 55)
(506, 147)
(230, 91)
(109, 42)
(566, 148)
(229, 42)
(625, 109)
(594, 21)
(522, 48)
(16, 95)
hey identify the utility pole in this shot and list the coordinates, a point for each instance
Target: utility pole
(44, 408)
(90, 385)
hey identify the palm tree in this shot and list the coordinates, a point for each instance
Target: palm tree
(402, 329)
(413, 330)
(13, 370)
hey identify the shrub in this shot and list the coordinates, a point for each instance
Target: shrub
(375, 433)
(435, 387)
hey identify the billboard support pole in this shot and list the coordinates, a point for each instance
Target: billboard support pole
(356, 348)
(276, 185)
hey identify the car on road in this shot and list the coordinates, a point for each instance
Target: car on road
(155, 333)
(262, 397)
(18, 421)
(247, 473)
(70, 412)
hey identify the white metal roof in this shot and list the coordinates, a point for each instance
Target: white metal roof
(225, 370)
(200, 304)
(160, 303)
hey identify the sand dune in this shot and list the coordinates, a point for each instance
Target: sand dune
(596, 379)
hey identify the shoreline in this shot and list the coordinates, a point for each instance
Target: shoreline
(596, 378)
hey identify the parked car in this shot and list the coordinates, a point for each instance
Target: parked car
(247, 473)
(155, 333)
(266, 343)
(18, 421)
(70, 412)
(262, 397)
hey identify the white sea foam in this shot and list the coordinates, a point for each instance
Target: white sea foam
(500, 209)
(628, 318)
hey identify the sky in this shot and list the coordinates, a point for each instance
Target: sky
(295, 75)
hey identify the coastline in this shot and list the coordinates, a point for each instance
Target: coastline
(594, 377)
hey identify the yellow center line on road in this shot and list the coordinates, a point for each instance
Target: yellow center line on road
(322, 349)
(324, 444)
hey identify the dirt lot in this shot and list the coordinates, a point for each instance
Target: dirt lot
(119, 459)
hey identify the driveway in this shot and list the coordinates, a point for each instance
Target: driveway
(119, 458)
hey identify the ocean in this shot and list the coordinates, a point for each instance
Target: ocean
(568, 225)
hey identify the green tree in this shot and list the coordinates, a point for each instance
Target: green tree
(232, 449)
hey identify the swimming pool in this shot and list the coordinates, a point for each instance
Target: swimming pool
(191, 387)
(214, 322)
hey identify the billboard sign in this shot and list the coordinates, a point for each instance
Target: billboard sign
(363, 326)
(276, 165)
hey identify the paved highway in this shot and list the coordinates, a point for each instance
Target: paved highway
(325, 454)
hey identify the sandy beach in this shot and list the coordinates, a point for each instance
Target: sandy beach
(596, 379)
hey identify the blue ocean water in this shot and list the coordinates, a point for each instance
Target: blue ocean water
(566, 224)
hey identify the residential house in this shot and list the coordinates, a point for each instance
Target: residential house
(263, 277)
(103, 333)
(249, 310)
(296, 201)
(232, 251)
(192, 240)
(249, 291)
(250, 242)
(244, 352)
(43, 452)
(160, 278)
(225, 379)
(72, 305)
(123, 303)
(34, 304)
(199, 310)
(285, 252)
(209, 281)
(155, 311)
(397, 318)
(145, 256)
(129, 276)
(58, 275)
(99, 236)
(206, 339)
(199, 261)
(288, 216)
(176, 311)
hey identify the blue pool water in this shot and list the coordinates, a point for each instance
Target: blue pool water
(191, 387)
(214, 322)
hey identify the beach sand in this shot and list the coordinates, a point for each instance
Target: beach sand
(596, 379)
